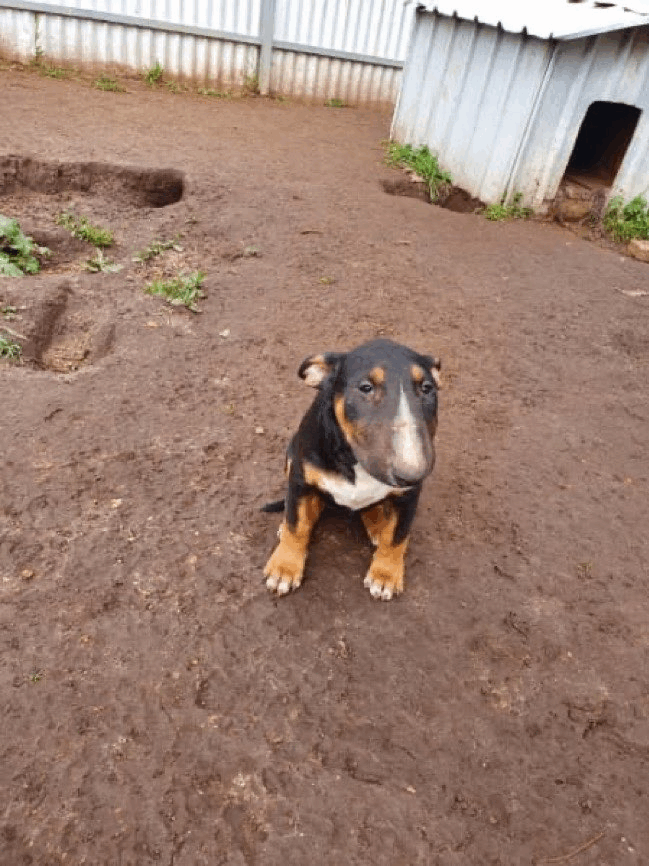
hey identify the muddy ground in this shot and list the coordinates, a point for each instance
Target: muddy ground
(158, 704)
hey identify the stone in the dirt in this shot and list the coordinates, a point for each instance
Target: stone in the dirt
(639, 249)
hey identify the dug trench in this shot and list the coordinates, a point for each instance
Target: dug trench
(68, 326)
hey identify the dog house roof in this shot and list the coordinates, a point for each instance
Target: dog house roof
(551, 19)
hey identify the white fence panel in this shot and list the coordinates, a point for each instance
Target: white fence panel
(352, 50)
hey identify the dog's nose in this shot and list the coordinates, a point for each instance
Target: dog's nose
(405, 480)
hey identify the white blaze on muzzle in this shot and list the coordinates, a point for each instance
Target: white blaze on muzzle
(411, 451)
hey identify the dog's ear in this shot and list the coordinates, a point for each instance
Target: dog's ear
(433, 365)
(315, 369)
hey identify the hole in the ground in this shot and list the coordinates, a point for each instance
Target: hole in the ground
(141, 187)
(450, 198)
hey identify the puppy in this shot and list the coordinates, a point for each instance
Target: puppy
(366, 443)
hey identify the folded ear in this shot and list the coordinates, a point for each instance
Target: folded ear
(316, 368)
(434, 365)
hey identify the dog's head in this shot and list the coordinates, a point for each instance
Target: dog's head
(384, 398)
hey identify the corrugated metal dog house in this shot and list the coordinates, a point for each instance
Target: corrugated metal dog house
(511, 96)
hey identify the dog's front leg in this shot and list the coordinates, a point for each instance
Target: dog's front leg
(285, 567)
(388, 525)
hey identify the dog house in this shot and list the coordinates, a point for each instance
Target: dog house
(512, 97)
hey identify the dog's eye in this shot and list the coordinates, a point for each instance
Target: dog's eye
(366, 387)
(426, 387)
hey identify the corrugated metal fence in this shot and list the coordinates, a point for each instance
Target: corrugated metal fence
(351, 50)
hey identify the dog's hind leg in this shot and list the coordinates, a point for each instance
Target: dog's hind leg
(285, 567)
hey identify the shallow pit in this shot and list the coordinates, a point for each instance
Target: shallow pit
(140, 187)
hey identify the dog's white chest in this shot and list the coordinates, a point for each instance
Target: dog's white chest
(363, 492)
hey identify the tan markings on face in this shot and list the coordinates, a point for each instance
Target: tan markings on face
(287, 467)
(285, 567)
(350, 432)
(436, 376)
(385, 576)
(377, 376)
(417, 374)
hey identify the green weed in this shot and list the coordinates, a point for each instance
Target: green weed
(55, 72)
(335, 103)
(511, 211)
(18, 253)
(176, 86)
(251, 84)
(9, 349)
(85, 231)
(217, 94)
(185, 289)
(627, 221)
(99, 264)
(155, 249)
(107, 82)
(8, 312)
(154, 74)
(422, 162)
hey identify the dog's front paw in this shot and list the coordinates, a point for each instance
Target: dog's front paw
(284, 569)
(383, 584)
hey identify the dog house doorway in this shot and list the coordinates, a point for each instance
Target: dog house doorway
(602, 142)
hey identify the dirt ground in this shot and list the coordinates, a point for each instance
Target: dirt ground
(158, 704)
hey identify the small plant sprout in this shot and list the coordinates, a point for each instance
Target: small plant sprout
(100, 264)
(185, 290)
(153, 75)
(107, 82)
(334, 102)
(627, 221)
(176, 86)
(251, 84)
(18, 253)
(9, 349)
(511, 211)
(85, 231)
(217, 94)
(422, 162)
(156, 249)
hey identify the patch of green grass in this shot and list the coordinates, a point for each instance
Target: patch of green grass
(176, 86)
(154, 75)
(217, 94)
(251, 84)
(156, 249)
(107, 82)
(8, 312)
(18, 253)
(185, 289)
(9, 349)
(422, 162)
(627, 221)
(55, 72)
(334, 102)
(85, 231)
(511, 211)
(99, 264)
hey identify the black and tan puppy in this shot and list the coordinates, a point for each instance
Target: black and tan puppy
(366, 443)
